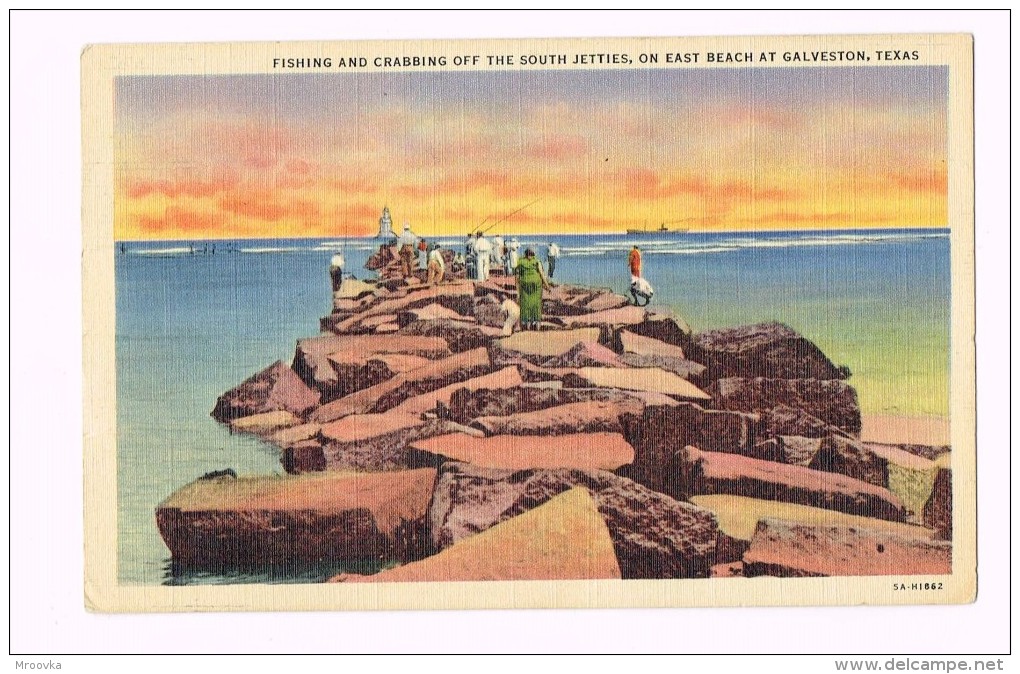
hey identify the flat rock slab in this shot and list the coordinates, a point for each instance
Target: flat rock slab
(276, 388)
(467, 405)
(358, 427)
(648, 346)
(583, 417)
(636, 379)
(546, 343)
(605, 301)
(655, 536)
(893, 454)
(770, 350)
(623, 316)
(312, 356)
(255, 520)
(265, 423)
(688, 369)
(738, 517)
(450, 295)
(832, 401)
(433, 375)
(430, 312)
(294, 434)
(460, 334)
(601, 451)
(719, 473)
(508, 377)
(563, 539)
(586, 354)
(781, 548)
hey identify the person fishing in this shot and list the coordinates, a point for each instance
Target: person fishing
(641, 289)
(483, 252)
(634, 260)
(551, 255)
(531, 281)
(336, 270)
(436, 266)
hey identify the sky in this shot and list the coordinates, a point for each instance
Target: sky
(558, 151)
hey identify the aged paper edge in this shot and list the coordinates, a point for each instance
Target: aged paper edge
(103, 592)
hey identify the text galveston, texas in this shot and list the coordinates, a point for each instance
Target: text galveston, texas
(588, 59)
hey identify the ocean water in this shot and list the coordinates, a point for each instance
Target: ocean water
(196, 318)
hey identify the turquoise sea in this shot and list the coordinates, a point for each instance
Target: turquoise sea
(195, 318)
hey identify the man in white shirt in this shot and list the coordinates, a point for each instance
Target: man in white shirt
(483, 249)
(336, 270)
(551, 256)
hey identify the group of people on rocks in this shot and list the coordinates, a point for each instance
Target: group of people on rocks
(481, 256)
(410, 248)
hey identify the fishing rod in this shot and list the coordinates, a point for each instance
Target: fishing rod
(477, 227)
(510, 215)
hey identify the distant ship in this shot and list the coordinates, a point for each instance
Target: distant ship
(663, 229)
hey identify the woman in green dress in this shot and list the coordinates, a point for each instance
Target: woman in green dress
(530, 282)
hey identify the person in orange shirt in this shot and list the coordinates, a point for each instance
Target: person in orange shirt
(635, 262)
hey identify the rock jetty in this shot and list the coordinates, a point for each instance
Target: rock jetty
(420, 431)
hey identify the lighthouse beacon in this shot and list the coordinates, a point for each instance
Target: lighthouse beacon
(385, 225)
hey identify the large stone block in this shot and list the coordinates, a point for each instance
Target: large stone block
(389, 393)
(314, 358)
(654, 535)
(274, 389)
(508, 377)
(770, 350)
(832, 401)
(537, 347)
(563, 539)
(628, 315)
(370, 442)
(265, 520)
(461, 335)
(702, 472)
(738, 517)
(601, 451)
(586, 354)
(649, 379)
(582, 417)
(790, 549)
(661, 431)
(467, 405)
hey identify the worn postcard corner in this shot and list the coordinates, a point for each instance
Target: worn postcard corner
(538, 323)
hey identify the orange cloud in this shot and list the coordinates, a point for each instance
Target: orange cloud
(177, 187)
(264, 205)
(177, 219)
(935, 181)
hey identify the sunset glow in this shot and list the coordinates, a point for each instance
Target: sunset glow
(319, 155)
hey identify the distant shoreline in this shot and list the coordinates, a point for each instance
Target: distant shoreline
(371, 236)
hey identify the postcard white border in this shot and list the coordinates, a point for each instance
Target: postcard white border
(48, 578)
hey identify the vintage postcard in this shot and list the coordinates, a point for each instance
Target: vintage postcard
(664, 322)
